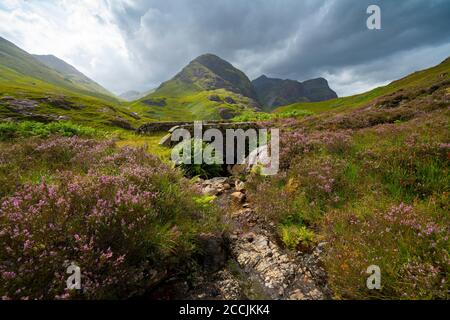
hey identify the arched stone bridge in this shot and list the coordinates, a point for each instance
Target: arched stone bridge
(152, 127)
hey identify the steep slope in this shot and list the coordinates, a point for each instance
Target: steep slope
(418, 95)
(29, 90)
(24, 63)
(418, 81)
(71, 74)
(207, 88)
(273, 92)
(384, 156)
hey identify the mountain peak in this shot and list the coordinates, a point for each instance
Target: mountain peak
(208, 56)
(210, 72)
(273, 92)
(261, 77)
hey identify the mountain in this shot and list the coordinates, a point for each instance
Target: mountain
(416, 84)
(30, 90)
(133, 95)
(130, 95)
(207, 88)
(71, 73)
(273, 92)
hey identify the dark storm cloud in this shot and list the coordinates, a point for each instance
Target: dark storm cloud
(137, 44)
(290, 38)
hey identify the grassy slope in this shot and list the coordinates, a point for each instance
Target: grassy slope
(24, 78)
(420, 78)
(95, 111)
(71, 74)
(24, 63)
(187, 99)
(385, 166)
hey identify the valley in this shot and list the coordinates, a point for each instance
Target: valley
(84, 176)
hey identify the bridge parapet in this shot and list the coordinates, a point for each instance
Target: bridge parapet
(152, 127)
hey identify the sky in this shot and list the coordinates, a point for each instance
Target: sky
(137, 44)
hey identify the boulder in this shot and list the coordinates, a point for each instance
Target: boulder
(210, 190)
(214, 97)
(226, 114)
(135, 115)
(238, 197)
(239, 186)
(122, 123)
(229, 100)
(158, 102)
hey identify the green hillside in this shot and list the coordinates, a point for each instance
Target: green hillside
(25, 64)
(207, 88)
(71, 74)
(418, 79)
(29, 90)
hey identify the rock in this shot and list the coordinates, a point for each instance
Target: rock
(159, 102)
(121, 123)
(218, 180)
(237, 169)
(226, 186)
(239, 186)
(250, 237)
(214, 97)
(19, 105)
(210, 191)
(135, 115)
(229, 100)
(297, 295)
(238, 197)
(226, 114)
(315, 294)
(213, 251)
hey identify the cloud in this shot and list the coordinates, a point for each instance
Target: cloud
(137, 44)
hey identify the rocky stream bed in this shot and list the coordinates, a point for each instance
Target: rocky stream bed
(247, 261)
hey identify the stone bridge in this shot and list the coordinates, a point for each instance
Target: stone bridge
(171, 126)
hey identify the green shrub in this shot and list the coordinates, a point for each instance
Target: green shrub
(295, 237)
(11, 130)
(262, 116)
(187, 164)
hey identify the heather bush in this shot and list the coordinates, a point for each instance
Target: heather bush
(302, 195)
(124, 217)
(377, 196)
(335, 142)
(30, 159)
(293, 145)
(408, 242)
